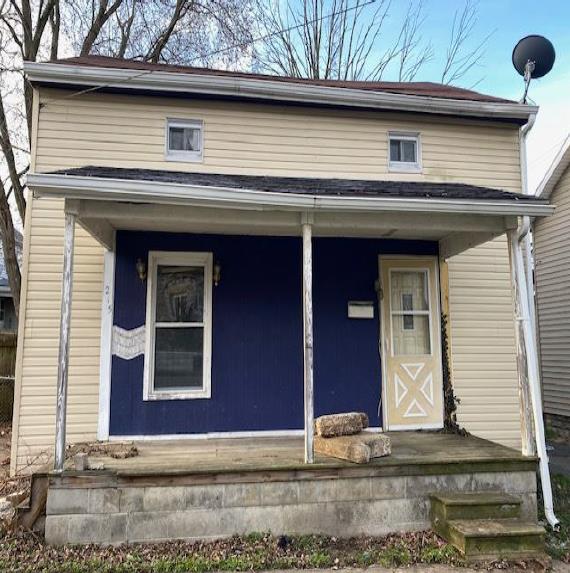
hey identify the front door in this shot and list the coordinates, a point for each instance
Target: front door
(412, 389)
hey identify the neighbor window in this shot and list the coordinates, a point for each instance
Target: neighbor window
(184, 139)
(404, 152)
(179, 326)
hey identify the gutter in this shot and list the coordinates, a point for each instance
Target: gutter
(524, 278)
(250, 88)
(99, 188)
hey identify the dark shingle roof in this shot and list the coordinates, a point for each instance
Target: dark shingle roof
(426, 89)
(306, 185)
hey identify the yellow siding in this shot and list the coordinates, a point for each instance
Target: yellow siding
(127, 131)
(483, 343)
(552, 258)
(124, 131)
(37, 378)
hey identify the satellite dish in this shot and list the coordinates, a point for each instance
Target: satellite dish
(533, 57)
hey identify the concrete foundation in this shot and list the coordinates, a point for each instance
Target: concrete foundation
(108, 508)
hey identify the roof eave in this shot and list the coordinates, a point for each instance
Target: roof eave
(97, 188)
(248, 88)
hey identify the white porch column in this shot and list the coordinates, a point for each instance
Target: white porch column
(64, 327)
(526, 410)
(529, 347)
(308, 336)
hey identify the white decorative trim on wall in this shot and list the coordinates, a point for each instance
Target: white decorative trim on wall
(128, 344)
(107, 307)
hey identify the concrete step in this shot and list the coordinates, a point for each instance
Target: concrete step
(486, 539)
(479, 505)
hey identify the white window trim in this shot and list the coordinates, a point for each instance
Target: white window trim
(405, 166)
(178, 155)
(184, 259)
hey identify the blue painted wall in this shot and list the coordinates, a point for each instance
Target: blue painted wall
(257, 353)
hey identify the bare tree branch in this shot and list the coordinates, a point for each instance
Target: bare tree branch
(8, 152)
(181, 8)
(358, 40)
(55, 23)
(103, 13)
(459, 59)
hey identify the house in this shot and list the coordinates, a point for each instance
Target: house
(8, 320)
(552, 277)
(214, 258)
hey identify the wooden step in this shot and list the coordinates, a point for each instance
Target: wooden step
(479, 505)
(28, 512)
(489, 539)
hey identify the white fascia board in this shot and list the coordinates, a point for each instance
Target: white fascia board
(555, 171)
(268, 89)
(97, 188)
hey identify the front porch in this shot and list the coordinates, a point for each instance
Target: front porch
(201, 488)
(276, 346)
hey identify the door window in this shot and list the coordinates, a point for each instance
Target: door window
(410, 312)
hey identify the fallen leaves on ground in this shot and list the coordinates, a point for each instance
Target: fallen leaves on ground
(27, 553)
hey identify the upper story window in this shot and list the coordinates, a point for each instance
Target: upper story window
(184, 139)
(179, 326)
(405, 152)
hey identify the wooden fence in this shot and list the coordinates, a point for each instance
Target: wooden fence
(7, 370)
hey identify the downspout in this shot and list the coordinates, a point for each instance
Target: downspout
(528, 258)
(524, 277)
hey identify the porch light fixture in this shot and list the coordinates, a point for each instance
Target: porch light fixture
(141, 269)
(217, 274)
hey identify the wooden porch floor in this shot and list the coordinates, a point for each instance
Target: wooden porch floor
(421, 450)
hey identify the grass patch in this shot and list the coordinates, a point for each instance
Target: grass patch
(27, 553)
(558, 543)
(396, 556)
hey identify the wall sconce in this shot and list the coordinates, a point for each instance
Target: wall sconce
(141, 269)
(217, 274)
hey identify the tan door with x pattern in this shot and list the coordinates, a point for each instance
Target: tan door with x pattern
(412, 389)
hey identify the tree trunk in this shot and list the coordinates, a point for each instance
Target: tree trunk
(9, 246)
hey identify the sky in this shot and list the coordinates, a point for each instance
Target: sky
(509, 21)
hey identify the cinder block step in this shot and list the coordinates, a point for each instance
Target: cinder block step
(485, 539)
(480, 505)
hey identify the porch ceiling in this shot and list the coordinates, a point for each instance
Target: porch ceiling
(454, 232)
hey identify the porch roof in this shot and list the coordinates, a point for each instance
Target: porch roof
(458, 216)
(320, 187)
(281, 193)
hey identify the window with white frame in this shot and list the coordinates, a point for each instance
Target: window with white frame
(404, 152)
(184, 139)
(178, 326)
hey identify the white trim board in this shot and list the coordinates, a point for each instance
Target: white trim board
(218, 435)
(105, 358)
(253, 88)
(77, 187)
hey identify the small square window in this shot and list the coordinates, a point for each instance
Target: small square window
(404, 152)
(184, 139)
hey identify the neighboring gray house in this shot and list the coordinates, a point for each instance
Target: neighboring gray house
(8, 320)
(552, 275)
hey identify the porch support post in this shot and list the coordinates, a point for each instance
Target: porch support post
(527, 417)
(64, 327)
(308, 335)
(533, 389)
